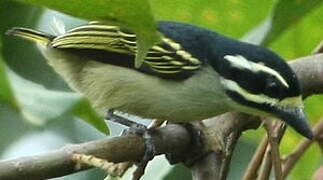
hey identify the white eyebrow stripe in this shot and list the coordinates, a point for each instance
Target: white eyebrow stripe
(257, 98)
(261, 98)
(241, 62)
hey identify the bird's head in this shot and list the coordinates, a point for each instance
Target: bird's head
(266, 86)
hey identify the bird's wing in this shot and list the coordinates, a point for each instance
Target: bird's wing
(167, 59)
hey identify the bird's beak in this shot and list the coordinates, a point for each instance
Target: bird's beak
(296, 118)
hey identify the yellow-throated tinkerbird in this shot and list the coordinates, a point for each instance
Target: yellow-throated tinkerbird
(193, 74)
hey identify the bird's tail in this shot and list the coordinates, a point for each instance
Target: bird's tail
(32, 35)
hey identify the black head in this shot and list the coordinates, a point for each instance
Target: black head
(259, 82)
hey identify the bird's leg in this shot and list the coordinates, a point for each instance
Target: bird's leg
(145, 132)
(150, 149)
(155, 124)
(111, 116)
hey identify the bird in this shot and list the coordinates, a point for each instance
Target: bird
(192, 74)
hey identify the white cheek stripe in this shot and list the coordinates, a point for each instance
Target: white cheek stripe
(240, 62)
(261, 98)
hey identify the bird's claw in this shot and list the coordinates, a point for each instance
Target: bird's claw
(141, 130)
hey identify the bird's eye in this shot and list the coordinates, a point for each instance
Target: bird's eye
(273, 87)
(271, 84)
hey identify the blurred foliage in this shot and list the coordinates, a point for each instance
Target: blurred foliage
(6, 93)
(291, 28)
(302, 38)
(122, 13)
(34, 102)
(39, 105)
(230, 17)
(286, 13)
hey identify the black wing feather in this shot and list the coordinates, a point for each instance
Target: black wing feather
(117, 46)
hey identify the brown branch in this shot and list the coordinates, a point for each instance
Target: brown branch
(221, 134)
(274, 139)
(255, 163)
(272, 156)
(309, 71)
(265, 168)
(171, 138)
(296, 154)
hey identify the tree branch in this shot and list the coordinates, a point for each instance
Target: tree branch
(275, 133)
(221, 135)
(265, 168)
(255, 163)
(309, 71)
(172, 139)
(271, 155)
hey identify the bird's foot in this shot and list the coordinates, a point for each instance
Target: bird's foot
(112, 116)
(141, 130)
(196, 152)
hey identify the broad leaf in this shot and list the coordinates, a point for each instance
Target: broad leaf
(284, 14)
(6, 93)
(39, 105)
(36, 104)
(135, 15)
(232, 18)
(287, 13)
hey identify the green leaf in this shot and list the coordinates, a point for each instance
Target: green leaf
(37, 104)
(233, 18)
(287, 13)
(84, 110)
(6, 93)
(40, 105)
(302, 38)
(135, 15)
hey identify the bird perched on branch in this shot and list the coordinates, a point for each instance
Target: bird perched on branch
(193, 74)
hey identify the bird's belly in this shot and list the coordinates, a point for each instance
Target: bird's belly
(130, 91)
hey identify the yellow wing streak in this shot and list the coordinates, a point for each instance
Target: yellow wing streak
(166, 58)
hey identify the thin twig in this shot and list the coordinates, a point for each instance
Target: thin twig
(264, 172)
(265, 168)
(294, 156)
(274, 148)
(251, 172)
